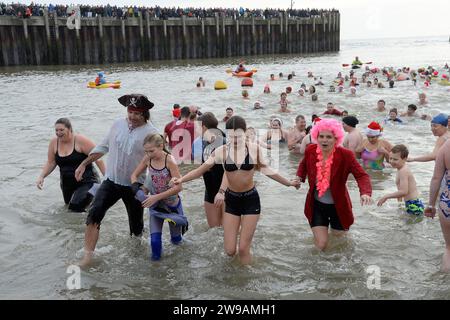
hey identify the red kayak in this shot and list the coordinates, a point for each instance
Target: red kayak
(248, 74)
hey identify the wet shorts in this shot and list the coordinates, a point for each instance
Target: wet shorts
(242, 203)
(414, 206)
(325, 215)
(106, 196)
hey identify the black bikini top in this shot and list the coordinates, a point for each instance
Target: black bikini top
(229, 164)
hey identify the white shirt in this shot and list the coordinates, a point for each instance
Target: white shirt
(126, 150)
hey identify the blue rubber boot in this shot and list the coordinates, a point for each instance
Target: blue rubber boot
(156, 245)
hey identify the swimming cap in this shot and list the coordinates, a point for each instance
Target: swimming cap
(350, 121)
(176, 113)
(441, 119)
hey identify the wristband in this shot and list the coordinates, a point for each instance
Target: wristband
(221, 191)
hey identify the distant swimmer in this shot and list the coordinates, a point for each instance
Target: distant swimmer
(284, 103)
(67, 150)
(439, 129)
(354, 137)
(228, 114)
(276, 134)
(373, 151)
(393, 117)
(296, 134)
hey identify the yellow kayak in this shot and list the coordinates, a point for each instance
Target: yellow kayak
(114, 85)
(444, 82)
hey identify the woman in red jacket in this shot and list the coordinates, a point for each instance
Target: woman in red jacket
(327, 166)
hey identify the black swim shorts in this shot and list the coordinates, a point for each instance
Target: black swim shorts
(242, 203)
(325, 215)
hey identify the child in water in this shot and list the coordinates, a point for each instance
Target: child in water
(163, 200)
(406, 184)
(284, 103)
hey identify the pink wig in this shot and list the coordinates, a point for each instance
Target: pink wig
(331, 125)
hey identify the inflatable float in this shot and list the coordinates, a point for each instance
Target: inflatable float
(247, 82)
(114, 85)
(220, 85)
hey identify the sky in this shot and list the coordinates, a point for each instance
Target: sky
(360, 19)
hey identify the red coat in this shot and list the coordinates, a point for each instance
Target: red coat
(344, 163)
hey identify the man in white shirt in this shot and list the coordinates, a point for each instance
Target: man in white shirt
(124, 143)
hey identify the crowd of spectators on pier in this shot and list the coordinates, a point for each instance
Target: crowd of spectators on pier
(88, 11)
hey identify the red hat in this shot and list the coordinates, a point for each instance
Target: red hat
(176, 113)
(374, 129)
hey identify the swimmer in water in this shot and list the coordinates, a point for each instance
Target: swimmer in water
(373, 151)
(406, 184)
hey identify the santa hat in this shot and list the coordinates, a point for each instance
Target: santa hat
(373, 129)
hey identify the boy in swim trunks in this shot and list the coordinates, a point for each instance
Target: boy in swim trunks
(406, 184)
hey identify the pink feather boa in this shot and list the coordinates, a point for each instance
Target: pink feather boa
(323, 171)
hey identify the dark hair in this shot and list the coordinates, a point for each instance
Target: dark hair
(412, 106)
(299, 117)
(393, 110)
(402, 149)
(381, 100)
(209, 120)
(236, 122)
(229, 108)
(185, 112)
(391, 83)
(65, 122)
(146, 115)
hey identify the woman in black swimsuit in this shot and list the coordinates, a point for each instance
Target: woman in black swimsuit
(67, 150)
(240, 159)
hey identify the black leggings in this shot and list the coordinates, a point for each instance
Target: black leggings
(107, 195)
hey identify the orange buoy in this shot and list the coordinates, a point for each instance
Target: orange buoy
(247, 82)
